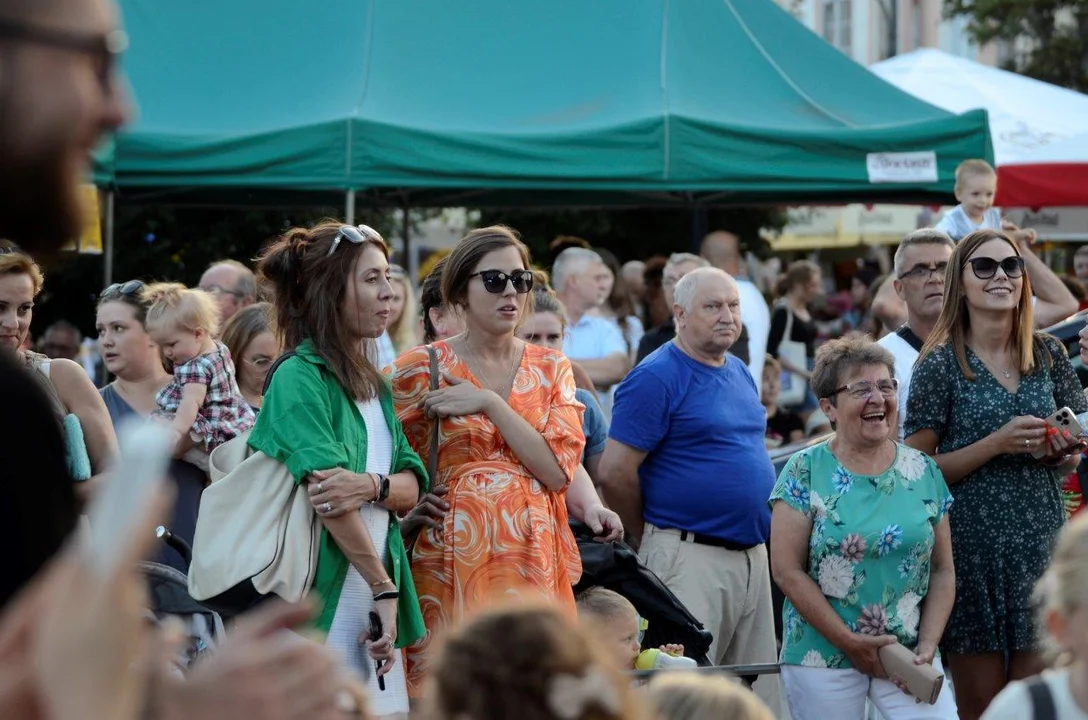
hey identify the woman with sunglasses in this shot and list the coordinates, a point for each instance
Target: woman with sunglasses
(65, 382)
(510, 441)
(328, 416)
(134, 360)
(981, 391)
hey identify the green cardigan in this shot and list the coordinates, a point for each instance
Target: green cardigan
(308, 422)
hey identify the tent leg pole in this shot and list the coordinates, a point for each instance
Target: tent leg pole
(410, 263)
(349, 208)
(108, 244)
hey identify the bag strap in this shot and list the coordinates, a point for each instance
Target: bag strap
(432, 460)
(909, 335)
(1042, 700)
(279, 361)
(787, 334)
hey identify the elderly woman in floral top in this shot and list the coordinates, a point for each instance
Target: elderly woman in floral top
(860, 546)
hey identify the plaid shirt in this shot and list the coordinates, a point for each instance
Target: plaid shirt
(225, 414)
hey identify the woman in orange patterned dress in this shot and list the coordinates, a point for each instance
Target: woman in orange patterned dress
(510, 442)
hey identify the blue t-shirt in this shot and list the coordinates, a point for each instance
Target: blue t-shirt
(594, 426)
(707, 470)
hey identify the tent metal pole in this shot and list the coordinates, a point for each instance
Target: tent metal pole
(108, 243)
(349, 208)
(410, 261)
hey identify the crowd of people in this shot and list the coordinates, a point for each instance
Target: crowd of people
(445, 452)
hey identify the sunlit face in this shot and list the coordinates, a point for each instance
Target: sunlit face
(257, 358)
(621, 636)
(178, 345)
(869, 421)
(396, 305)
(544, 329)
(126, 347)
(999, 293)
(16, 309)
(593, 284)
(496, 313)
(923, 292)
(369, 298)
(976, 194)
(713, 322)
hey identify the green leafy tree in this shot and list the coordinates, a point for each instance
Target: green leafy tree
(1050, 36)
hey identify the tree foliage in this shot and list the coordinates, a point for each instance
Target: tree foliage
(1049, 37)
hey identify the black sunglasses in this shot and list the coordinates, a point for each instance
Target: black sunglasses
(985, 268)
(355, 235)
(125, 289)
(495, 280)
(105, 49)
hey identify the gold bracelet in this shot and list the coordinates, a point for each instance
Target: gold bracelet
(386, 581)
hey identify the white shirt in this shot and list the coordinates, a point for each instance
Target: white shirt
(756, 317)
(958, 225)
(1014, 702)
(595, 338)
(905, 356)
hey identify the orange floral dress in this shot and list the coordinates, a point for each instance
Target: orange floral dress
(505, 534)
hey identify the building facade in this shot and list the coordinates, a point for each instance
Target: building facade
(873, 30)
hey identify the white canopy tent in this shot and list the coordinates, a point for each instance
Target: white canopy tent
(1025, 114)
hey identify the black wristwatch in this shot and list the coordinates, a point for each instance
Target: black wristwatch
(383, 487)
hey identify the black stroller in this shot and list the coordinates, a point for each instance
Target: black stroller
(169, 597)
(615, 566)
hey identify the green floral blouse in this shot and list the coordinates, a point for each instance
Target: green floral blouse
(870, 547)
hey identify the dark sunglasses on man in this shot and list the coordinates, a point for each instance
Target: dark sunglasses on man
(985, 268)
(495, 280)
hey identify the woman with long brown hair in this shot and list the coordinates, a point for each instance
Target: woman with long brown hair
(328, 416)
(981, 390)
(510, 443)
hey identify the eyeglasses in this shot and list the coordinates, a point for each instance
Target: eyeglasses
(261, 363)
(104, 49)
(355, 235)
(495, 280)
(864, 390)
(919, 272)
(985, 268)
(125, 289)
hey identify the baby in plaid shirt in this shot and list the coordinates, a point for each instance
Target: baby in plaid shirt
(202, 404)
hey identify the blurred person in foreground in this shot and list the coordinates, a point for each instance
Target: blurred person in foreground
(73, 644)
(860, 547)
(693, 696)
(531, 663)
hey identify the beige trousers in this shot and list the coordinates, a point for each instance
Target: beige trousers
(728, 591)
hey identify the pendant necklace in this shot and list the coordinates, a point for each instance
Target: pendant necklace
(508, 386)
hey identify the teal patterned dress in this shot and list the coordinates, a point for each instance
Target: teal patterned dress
(870, 547)
(1008, 511)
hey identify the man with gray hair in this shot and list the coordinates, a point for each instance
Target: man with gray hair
(580, 280)
(678, 265)
(687, 470)
(233, 285)
(918, 278)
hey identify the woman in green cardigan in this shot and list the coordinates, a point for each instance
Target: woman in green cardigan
(328, 416)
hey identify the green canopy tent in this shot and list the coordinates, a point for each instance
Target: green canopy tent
(566, 102)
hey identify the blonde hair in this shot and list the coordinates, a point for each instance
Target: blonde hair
(952, 323)
(185, 308)
(1064, 586)
(770, 363)
(13, 261)
(972, 169)
(690, 696)
(604, 604)
(531, 662)
(403, 332)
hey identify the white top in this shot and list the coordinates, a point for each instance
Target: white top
(756, 317)
(386, 352)
(956, 223)
(356, 598)
(905, 356)
(595, 338)
(1014, 702)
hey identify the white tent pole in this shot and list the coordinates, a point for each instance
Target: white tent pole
(108, 264)
(349, 208)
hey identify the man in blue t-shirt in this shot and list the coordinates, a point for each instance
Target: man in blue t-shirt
(687, 470)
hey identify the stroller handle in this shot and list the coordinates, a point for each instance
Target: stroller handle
(175, 542)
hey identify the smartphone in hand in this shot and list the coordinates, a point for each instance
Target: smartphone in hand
(376, 632)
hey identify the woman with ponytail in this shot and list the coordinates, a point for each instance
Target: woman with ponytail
(328, 416)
